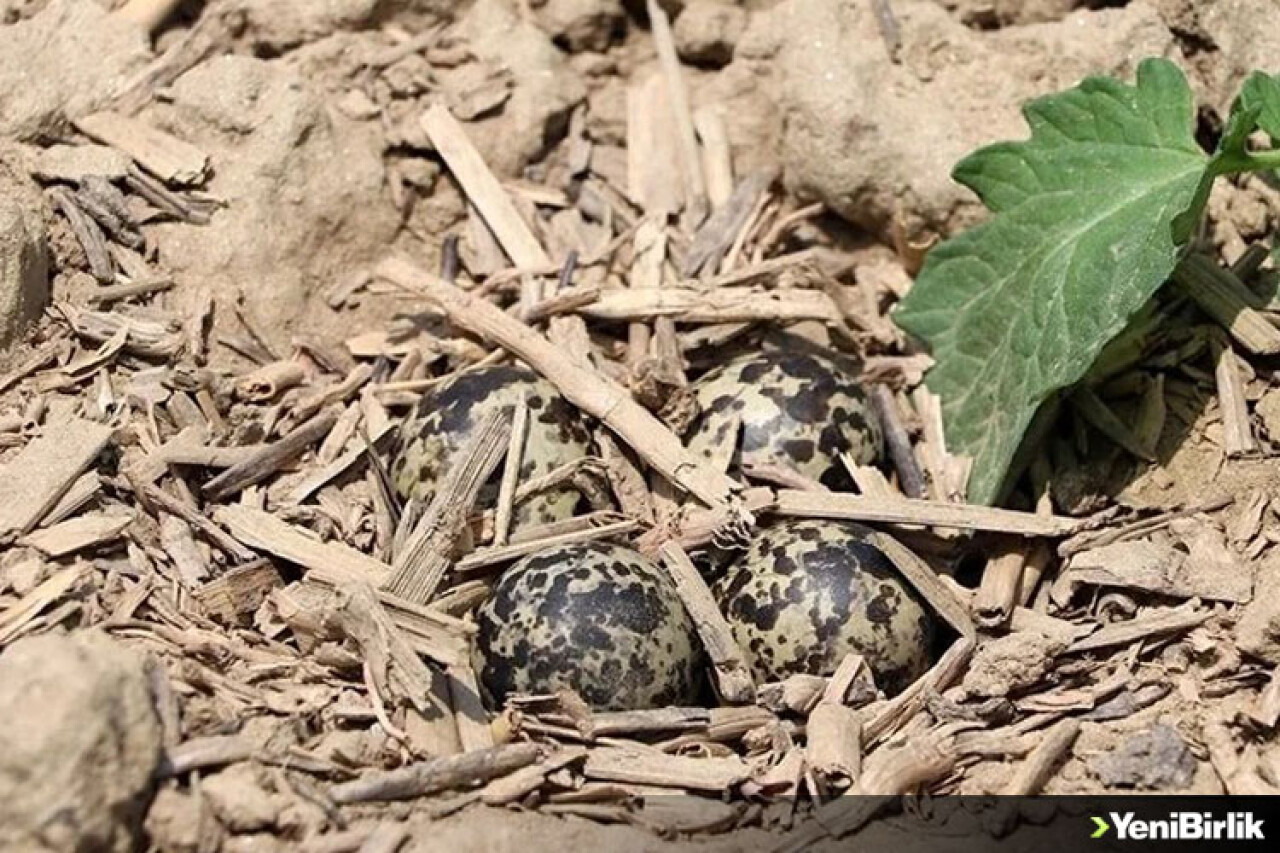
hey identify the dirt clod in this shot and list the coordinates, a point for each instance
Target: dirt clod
(281, 156)
(50, 48)
(876, 138)
(239, 801)
(78, 710)
(1010, 663)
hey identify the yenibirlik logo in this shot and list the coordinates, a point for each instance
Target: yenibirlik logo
(1182, 826)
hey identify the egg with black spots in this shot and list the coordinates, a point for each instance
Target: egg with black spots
(596, 618)
(798, 410)
(806, 593)
(446, 417)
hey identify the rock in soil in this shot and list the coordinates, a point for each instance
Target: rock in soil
(24, 262)
(79, 745)
(582, 24)
(274, 27)
(986, 14)
(707, 31)
(63, 63)
(1258, 630)
(536, 116)
(874, 138)
(1156, 760)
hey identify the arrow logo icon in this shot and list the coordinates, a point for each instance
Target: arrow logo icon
(1102, 825)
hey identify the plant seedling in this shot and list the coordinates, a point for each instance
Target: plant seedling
(1091, 215)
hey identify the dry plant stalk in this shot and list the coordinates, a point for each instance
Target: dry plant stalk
(420, 567)
(270, 380)
(1226, 299)
(1167, 621)
(926, 582)
(1001, 580)
(834, 748)
(887, 774)
(695, 191)
(732, 305)
(1238, 437)
(894, 714)
(438, 774)
(646, 767)
(733, 675)
(851, 507)
(485, 558)
(582, 386)
(483, 189)
(511, 475)
(897, 440)
(1032, 774)
(271, 458)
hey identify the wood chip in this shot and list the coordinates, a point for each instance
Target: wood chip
(834, 734)
(158, 498)
(238, 593)
(1155, 624)
(262, 530)
(717, 155)
(1238, 437)
(363, 618)
(483, 189)
(344, 463)
(162, 154)
(86, 487)
(67, 537)
(518, 785)
(695, 190)
(15, 618)
(32, 482)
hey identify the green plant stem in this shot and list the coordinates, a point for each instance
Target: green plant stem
(1235, 164)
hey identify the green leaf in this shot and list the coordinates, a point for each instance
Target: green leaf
(1261, 93)
(1019, 308)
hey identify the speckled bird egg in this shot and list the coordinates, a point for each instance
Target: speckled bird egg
(806, 593)
(446, 417)
(798, 409)
(597, 618)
